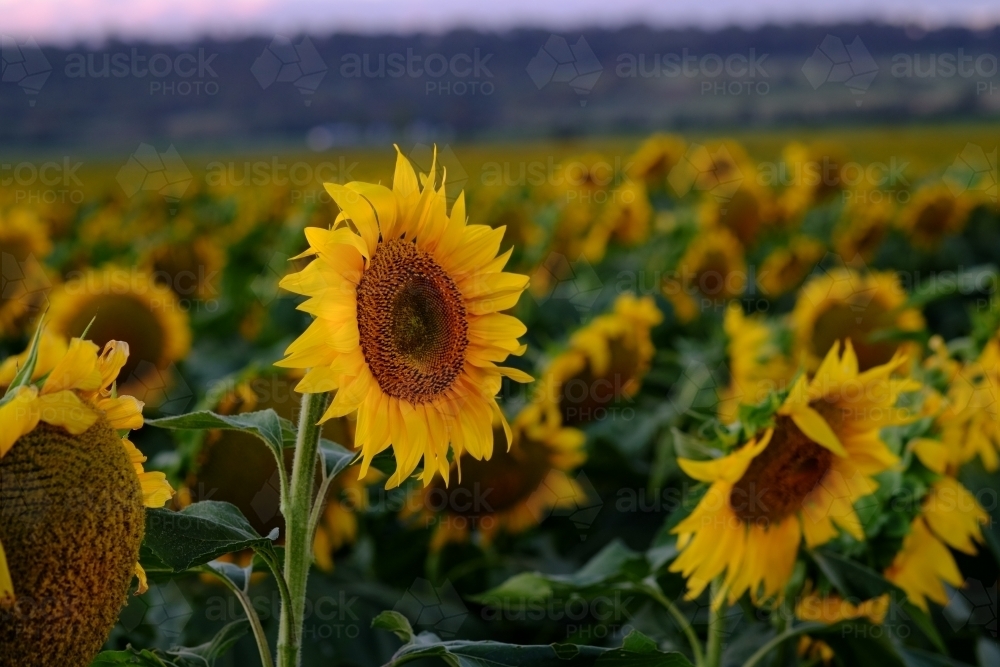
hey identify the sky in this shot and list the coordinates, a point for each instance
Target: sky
(69, 21)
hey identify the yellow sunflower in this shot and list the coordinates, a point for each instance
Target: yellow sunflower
(190, 268)
(863, 226)
(511, 492)
(654, 159)
(832, 609)
(60, 442)
(625, 218)
(711, 273)
(128, 305)
(843, 304)
(949, 517)
(814, 174)
(796, 482)
(934, 213)
(408, 329)
(973, 422)
(24, 243)
(716, 170)
(786, 267)
(604, 364)
(746, 213)
(757, 365)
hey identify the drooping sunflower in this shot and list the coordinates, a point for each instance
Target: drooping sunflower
(935, 213)
(757, 365)
(74, 492)
(408, 328)
(711, 273)
(864, 307)
(786, 267)
(796, 482)
(604, 364)
(511, 492)
(951, 517)
(863, 225)
(26, 283)
(832, 609)
(625, 218)
(126, 305)
(654, 159)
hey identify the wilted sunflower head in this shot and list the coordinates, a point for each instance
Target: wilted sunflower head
(408, 329)
(711, 272)
(934, 213)
(603, 365)
(73, 491)
(127, 305)
(511, 492)
(798, 481)
(866, 308)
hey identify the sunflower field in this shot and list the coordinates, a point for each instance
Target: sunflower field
(663, 401)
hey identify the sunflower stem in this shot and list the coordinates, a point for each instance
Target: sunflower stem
(248, 609)
(777, 641)
(716, 625)
(654, 591)
(297, 513)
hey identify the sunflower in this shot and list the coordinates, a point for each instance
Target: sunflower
(127, 305)
(786, 267)
(511, 492)
(757, 365)
(863, 226)
(746, 213)
(237, 468)
(654, 159)
(844, 303)
(815, 174)
(949, 517)
(190, 268)
(935, 213)
(408, 329)
(832, 609)
(626, 218)
(798, 481)
(605, 363)
(716, 170)
(973, 423)
(710, 274)
(26, 283)
(60, 442)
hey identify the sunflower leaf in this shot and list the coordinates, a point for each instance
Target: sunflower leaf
(265, 424)
(853, 579)
(24, 373)
(199, 533)
(335, 457)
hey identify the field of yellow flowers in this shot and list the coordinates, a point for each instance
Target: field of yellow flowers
(664, 401)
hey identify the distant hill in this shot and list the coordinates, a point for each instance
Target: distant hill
(351, 90)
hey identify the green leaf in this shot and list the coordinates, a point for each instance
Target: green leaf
(200, 533)
(204, 655)
(913, 657)
(335, 457)
(853, 579)
(129, 656)
(396, 623)
(636, 651)
(948, 283)
(923, 621)
(23, 376)
(265, 424)
(236, 575)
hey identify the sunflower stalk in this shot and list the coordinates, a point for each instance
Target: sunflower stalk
(716, 625)
(298, 512)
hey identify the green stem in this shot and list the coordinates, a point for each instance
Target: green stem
(255, 625)
(716, 626)
(297, 513)
(654, 592)
(780, 639)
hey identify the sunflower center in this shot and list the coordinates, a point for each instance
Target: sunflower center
(412, 323)
(856, 321)
(778, 480)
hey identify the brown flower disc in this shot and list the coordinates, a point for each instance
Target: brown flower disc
(71, 523)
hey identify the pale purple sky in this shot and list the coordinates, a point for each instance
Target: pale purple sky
(64, 21)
